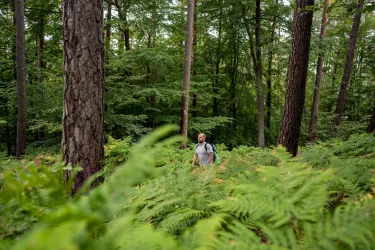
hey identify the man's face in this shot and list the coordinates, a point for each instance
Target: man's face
(201, 138)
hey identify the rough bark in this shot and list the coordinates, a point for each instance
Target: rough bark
(319, 76)
(298, 65)
(269, 79)
(259, 76)
(371, 126)
(187, 68)
(340, 108)
(21, 78)
(83, 117)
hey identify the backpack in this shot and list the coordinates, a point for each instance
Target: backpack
(216, 156)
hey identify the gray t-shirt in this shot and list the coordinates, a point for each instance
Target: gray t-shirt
(200, 150)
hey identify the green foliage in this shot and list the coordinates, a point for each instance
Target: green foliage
(258, 199)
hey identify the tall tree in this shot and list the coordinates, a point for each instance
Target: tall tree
(21, 78)
(340, 108)
(371, 126)
(108, 28)
(269, 78)
(187, 67)
(83, 118)
(319, 76)
(297, 73)
(259, 76)
(195, 58)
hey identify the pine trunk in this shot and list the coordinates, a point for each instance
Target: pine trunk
(318, 79)
(340, 108)
(298, 65)
(21, 79)
(259, 76)
(83, 117)
(187, 68)
(371, 126)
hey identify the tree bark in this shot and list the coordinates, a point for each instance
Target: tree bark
(269, 79)
(319, 76)
(371, 126)
(83, 117)
(195, 59)
(187, 68)
(259, 76)
(340, 108)
(21, 79)
(298, 65)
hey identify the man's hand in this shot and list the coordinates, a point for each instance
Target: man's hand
(194, 159)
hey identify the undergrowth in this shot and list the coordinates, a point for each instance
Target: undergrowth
(153, 198)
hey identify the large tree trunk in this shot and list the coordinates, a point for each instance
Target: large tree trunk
(340, 108)
(21, 78)
(371, 126)
(269, 79)
(187, 67)
(319, 76)
(298, 65)
(259, 76)
(83, 118)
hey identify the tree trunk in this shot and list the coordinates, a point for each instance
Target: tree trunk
(108, 27)
(319, 76)
(215, 108)
(297, 73)
(340, 108)
(41, 42)
(269, 79)
(21, 78)
(371, 126)
(259, 76)
(83, 117)
(187, 67)
(195, 59)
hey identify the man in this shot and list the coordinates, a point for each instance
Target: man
(205, 157)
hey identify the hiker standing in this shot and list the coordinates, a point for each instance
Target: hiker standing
(203, 151)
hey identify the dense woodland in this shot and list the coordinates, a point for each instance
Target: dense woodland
(86, 85)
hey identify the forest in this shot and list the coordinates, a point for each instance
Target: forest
(101, 104)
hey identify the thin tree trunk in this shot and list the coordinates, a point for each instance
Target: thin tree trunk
(340, 108)
(187, 68)
(215, 109)
(127, 34)
(195, 59)
(259, 76)
(21, 78)
(233, 102)
(371, 126)
(298, 65)
(269, 79)
(319, 76)
(41, 42)
(83, 117)
(108, 30)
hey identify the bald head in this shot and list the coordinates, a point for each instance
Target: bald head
(201, 138)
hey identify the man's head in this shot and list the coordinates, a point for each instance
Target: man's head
(201, 138)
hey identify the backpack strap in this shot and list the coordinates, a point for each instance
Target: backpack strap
(205, 146)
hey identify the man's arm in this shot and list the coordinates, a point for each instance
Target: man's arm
(211, 155)
(194, 159)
